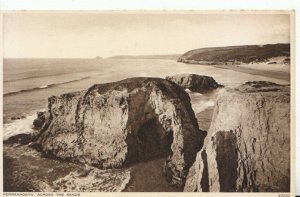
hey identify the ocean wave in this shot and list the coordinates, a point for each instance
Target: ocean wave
(24, 125)
(202, 105)
(93, 180)
(44, 86)
(200, 102)
(188, 91)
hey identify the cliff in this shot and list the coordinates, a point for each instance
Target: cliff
(248, 144)
(235, 54)
(195, 83)
(117, 124)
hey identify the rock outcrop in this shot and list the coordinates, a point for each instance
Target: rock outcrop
(40, 120)
(195, 83)
(117, 124)
(22, 139)
(248, 143)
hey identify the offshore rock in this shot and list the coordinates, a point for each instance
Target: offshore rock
(248, 145)
(40, 120)
(195, 83)
(22, 139)
(117, 124)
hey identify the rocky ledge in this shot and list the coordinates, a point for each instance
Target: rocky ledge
(117, 124)
(195, 83)
(248, 145)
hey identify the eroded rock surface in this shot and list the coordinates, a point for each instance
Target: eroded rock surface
(248, 145)
(116, 124)
(195, 83)
(25, 170)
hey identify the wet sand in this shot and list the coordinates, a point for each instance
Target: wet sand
(204, 118)
(266, 73)
(148, 177)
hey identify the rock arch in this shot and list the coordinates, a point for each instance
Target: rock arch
(117, 124)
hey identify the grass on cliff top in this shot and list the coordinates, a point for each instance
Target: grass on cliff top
(246, 54)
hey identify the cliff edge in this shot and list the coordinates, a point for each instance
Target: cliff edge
(248, 144)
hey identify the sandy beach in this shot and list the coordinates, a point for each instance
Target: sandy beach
(273, 71)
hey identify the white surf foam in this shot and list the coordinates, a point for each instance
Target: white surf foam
(24, 125)
(94, 181)
(188, 90)
(44, 86)
(200, 102)
(202, 105)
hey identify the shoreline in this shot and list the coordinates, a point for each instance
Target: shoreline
(266, 73)
(252, 71)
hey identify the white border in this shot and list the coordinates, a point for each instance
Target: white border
(145, 4)
(168, 5)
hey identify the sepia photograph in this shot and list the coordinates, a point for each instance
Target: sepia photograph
(147, 101)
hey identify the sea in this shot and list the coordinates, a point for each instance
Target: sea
(27, 84)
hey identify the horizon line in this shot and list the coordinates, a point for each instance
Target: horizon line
(136, 55)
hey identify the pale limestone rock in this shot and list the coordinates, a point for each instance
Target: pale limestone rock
(117, 124)
(248, 143)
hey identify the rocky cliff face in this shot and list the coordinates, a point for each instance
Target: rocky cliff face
(195, 83)
(117, 124)
(248, 145)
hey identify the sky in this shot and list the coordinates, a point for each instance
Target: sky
(85, 35)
